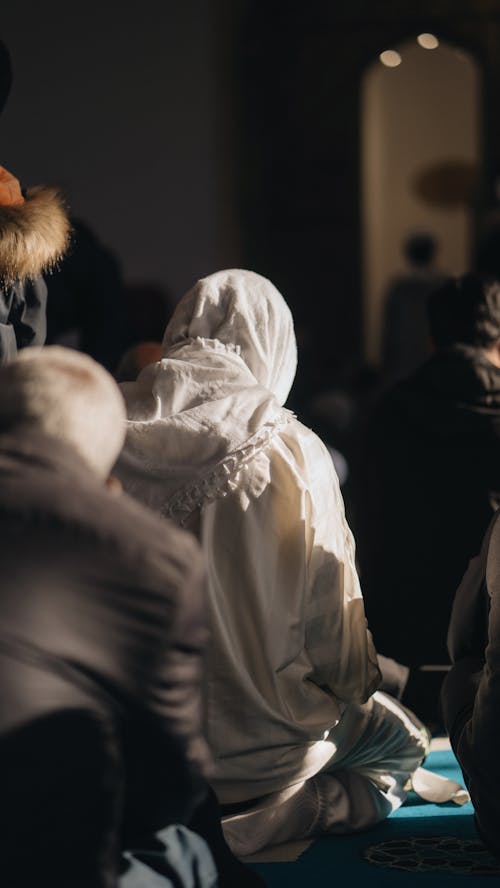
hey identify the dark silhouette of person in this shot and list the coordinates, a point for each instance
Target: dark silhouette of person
(470, 694)
(427, 482)
(405, 338)
(90, 307)
(86, 306)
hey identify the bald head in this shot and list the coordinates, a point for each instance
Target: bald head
(64, 393)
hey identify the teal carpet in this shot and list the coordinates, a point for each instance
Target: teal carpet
(411, 833)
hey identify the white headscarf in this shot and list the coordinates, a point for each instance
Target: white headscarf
(215, 399)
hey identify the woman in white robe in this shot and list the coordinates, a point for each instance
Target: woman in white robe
(300, 741)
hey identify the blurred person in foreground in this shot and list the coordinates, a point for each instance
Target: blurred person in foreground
(471, 691)
(103, 628)
(302, 744)
(427, 484)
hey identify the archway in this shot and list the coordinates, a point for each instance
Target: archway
(420, 151)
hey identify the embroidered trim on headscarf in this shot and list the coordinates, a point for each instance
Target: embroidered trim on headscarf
(213, 344)
(222, 479)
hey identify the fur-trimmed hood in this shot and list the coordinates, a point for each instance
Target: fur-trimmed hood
(33, 236)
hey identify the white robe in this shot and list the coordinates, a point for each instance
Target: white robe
(290, 646)
(209, 444)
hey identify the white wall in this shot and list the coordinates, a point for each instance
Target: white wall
(423, 112)
(119, 102)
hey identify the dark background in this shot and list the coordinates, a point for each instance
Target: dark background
(195, 135)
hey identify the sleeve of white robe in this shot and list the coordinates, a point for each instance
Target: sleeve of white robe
(337, 639)
(295, 561)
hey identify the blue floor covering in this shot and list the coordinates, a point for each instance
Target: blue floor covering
(338, 861)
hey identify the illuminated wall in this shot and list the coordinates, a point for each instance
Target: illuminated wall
(420, 146)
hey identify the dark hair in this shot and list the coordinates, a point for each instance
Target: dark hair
(420, 249)
(466, 310)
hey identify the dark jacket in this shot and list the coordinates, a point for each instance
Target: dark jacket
(33, 238)
(22, 316)
(86, 299)
(427, 485)
(102, 629)
(470, 694)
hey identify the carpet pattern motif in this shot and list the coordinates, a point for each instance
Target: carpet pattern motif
(422, 845)
(429, 853)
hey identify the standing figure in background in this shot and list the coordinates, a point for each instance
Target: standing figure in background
(34, 235)
(405, 336)
(302, 744)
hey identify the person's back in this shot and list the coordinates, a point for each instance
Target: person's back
(102, 630)
(470, 696)
(281, 654)
(210, 445)
(429, 478)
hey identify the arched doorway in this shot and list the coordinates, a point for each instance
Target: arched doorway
(420, 155)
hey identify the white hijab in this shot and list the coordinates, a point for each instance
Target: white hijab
(198, 416)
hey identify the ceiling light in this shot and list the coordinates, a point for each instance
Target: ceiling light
(390, 58)
(428, 41)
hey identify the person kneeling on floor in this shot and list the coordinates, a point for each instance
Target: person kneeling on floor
(302, 743)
